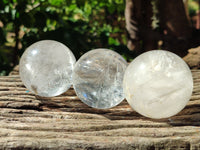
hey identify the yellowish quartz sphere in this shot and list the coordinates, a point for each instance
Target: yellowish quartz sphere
(158, 84)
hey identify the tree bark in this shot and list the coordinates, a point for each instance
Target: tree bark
(28, 121)
(173, 18)
(174, 27)
(138, 15)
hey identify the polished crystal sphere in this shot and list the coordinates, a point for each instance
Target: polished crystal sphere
(46, 68)
(98, 77)
(158, 84)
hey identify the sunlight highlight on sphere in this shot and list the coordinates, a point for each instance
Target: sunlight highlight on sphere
(46, 68)
(98, 77)
(158, 84)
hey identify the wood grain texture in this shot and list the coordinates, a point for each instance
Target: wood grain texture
(28, 121)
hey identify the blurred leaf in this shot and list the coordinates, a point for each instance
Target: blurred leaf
(113, 41)
(56, 2)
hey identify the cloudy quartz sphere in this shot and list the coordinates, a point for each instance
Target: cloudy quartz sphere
(158, 84)
(46, 68)
(98, 78)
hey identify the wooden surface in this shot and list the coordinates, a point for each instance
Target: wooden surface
(64, 122)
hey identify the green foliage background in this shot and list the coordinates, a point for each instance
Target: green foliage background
(80, 24)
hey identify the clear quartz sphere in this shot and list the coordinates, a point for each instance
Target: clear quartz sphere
(158, 84)
(46, 68)
(98, 77)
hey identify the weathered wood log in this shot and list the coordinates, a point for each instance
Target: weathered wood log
(193, 58)
(28, 121)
